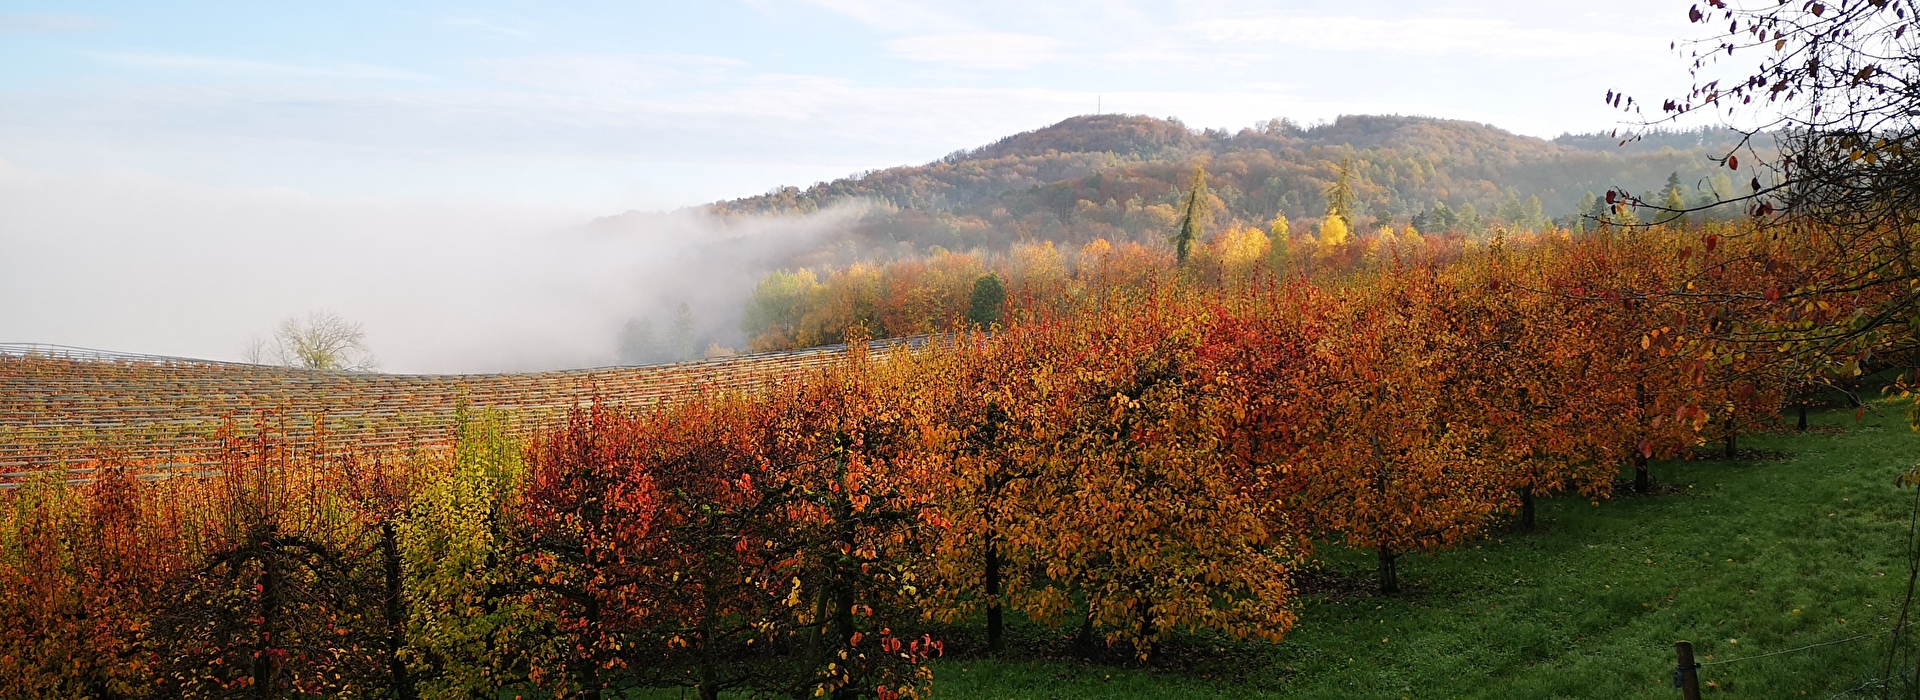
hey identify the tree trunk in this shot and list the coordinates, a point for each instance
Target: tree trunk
(1084, 639)
(1641, 478)
(396, 615)
(1733, 436)
(1642, 481)
(1803, 416)
(995, 625)
(265, 662)
(590, 682)
(1389, 577)
(708, 689)
(843, 599)
(1145, 645)
(1526, 508)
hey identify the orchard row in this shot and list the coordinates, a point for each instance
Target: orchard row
(1152, 460)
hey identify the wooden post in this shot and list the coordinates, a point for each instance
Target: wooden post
(1686, 675)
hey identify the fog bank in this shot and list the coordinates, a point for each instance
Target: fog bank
(130, 262)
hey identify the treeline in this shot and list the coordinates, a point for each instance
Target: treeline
(1146, 457)
(926, 294)
(1119, 178)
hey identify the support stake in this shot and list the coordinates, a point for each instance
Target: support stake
(1686, 675)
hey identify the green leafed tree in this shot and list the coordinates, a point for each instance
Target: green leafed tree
(773, 314)
(989, 297)
(469, 634)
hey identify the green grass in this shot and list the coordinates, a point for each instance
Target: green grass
(1748, 557)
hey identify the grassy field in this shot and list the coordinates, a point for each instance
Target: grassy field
(1798, 544)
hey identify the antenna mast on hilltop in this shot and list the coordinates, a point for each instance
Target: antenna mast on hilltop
(1096, 104)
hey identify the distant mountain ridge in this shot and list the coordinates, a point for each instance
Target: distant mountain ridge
(1111, 175)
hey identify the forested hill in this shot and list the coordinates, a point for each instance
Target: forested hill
(1119, 177)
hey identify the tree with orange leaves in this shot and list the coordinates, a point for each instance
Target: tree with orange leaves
(86, 569)
(1386, 463)
(1533, 372)
(998, 415)
(1139, 517)
(281, 598)
(847, 440)
(586, 509)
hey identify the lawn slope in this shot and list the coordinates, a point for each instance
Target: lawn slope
(1798, 542)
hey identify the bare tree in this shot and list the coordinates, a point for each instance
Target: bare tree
(1832, 160)
(323, 341)
(1834, 89)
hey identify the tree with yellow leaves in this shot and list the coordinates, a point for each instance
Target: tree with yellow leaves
(1330, 246)
(1240, 252)
(1280, 249)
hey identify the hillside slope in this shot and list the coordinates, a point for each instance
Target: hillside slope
(1119, 176)
(69, 409)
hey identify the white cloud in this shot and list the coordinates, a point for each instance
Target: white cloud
(238, 67)
(48, 23)
(488, 27)
(980, 50)
(1432, 35)
(602, 74)
(612, 150)
(611, 131)
(895, 16)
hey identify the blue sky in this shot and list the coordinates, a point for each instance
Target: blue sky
(610, 106)
(178, 177)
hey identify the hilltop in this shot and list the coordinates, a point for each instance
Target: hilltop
(1121, 178)
(1118, 177)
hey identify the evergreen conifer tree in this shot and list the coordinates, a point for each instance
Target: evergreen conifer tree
(1340, 193)
(1192, 215)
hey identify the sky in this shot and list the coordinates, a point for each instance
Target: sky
(175, 177)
